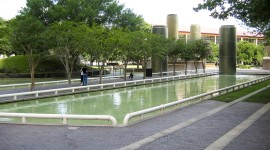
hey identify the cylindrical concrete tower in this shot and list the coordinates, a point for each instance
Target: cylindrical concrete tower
(195, 32)
(227, 49)
(159, 64)
(172, 24)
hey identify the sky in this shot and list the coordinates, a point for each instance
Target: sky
(153, 11)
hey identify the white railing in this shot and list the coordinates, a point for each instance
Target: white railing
(79, 89)
(63, 117)
(198, 98)
(55, 82)
(188, 71)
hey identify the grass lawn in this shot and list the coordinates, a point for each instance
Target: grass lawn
(262, 97)
(26, 80)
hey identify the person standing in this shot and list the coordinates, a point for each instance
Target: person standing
(131, 76)
(85, 74)
(81, 76)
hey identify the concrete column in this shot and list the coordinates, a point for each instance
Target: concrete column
(195, 32)
(159, 64)
(266, 58)
(227, 50)
(172, 24)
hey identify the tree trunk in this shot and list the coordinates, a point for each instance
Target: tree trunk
(203, 65)
(125, 74)
(144, 70)
(100, 76)
(32, 70)
(69, 77)
(196, 66)
(174, 63)
(32, 63)
(186, 68)
(161, 71)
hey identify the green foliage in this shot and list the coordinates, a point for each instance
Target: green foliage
(242, 92)
(249, 53)
(108, 13)
(65, 39)
(214, 53)
(5, 33)
(18, 64)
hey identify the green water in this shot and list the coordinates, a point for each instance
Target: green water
(119, 102)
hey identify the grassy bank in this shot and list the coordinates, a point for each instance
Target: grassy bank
(262, 97)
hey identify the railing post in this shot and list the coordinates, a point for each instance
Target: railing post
(23, 119)
(64, 120)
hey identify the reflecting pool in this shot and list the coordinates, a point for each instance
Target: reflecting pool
(119, 102)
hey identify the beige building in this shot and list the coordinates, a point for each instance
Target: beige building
(209, 34)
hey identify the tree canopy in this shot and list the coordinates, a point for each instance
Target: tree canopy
(108, 13)
(253, 13)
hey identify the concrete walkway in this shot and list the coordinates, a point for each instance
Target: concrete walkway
(198, 135)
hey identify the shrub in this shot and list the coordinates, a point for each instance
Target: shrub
(18, 64)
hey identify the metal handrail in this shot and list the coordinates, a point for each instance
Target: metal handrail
(64, 117)
(53, 92)
(211, 94)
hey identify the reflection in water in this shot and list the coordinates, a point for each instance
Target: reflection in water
(226, 80)
(116, 99)
(119, 102)
(62, 108)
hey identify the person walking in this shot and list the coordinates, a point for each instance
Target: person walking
(85, 74)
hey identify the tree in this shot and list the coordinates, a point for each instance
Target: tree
(248, 53)
(130, 21)
(176, 48)
(245, 52)
(258, 55)
(253, 13)
(215, 52)
(145, 47)
(187, 54)
(5, 34)
(28, 38)
(65, 39)
(200, 52)
(100, 43)
(108, 13)
(125, 48)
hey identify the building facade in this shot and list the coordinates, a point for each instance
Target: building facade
(212, 35)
